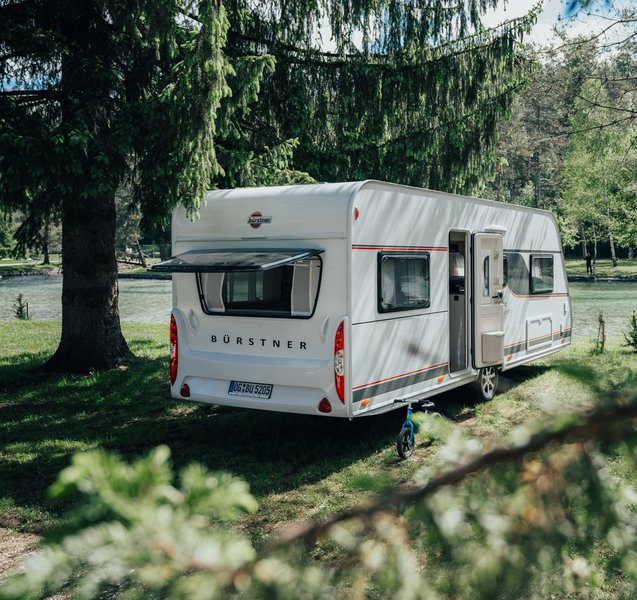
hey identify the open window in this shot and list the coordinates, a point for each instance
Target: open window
(256, 283)
(403, 281)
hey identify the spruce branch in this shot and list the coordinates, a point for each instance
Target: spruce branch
(597, 426)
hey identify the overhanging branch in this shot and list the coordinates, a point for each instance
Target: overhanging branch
(598, 426)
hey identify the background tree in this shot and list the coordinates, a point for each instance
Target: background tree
(599, 167)
(529, 154)
(6, 241)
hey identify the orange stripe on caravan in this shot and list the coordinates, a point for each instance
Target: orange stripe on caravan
(537, 337)
(539, 295)
(401, 248)
(358, 387)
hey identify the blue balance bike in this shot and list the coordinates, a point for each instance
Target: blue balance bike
(405, 441)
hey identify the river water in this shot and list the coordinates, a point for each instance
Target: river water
(149, 301)
(140, 300)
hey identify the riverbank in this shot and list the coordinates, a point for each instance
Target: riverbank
(40, 270)
(625, 271)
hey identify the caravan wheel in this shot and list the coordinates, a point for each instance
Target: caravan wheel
(488, 382)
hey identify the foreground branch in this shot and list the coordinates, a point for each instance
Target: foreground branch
(596, 426)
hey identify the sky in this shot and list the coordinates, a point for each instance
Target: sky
(542, 33)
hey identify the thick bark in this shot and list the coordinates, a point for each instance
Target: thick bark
(91, 334)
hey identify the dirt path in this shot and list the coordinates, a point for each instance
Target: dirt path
(14, 547)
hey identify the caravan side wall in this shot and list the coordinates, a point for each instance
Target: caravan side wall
(396, 354)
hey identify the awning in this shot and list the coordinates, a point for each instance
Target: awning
(224, 260)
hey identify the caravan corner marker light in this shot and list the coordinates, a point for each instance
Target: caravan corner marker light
(324, 406)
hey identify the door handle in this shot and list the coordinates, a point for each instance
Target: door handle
(499, 295)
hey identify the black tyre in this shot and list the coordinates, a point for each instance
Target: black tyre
(405, 443)
(487, 382)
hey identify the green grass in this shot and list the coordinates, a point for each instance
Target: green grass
(296, 466)
(603, 267)
(19, 266)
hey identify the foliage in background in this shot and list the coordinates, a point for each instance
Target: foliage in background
(6, 239)
(409, 93)
(539, 516)
(630, 335)
(581, 89)
(599, 167)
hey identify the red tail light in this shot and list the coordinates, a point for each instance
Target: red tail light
(339, 362)
(174, 350)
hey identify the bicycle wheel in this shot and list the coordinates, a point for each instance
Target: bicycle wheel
(405, 443)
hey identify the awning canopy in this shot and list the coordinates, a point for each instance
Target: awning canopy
(224, 260)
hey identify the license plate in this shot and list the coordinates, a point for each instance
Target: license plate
(254, 390)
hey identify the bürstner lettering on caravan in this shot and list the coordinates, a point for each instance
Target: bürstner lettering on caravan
(258, 342)
(348, 299)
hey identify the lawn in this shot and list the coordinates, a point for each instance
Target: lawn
(603, 268)
(296, 466)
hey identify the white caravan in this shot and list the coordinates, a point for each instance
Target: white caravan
(346, 299)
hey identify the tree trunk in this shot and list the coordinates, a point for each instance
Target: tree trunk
(538, 181)
(613, 255)
(163, 251)
(582, 235)
(45, 241)
(91, 334)
(538, 165)
(140, 253)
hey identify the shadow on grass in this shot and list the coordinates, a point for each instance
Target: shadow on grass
(22, 372)
(45, 419)
(460, 403)
(44, 422)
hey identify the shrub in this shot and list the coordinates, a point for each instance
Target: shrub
(631, 335)
(21, 308)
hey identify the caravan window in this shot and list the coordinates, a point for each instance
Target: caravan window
(403, 281)
(287, 291)
(541, 281)
(516, 273)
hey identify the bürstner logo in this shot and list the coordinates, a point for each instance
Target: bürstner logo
(256, 219)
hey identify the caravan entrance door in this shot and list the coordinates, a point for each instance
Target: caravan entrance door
(487, 300)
